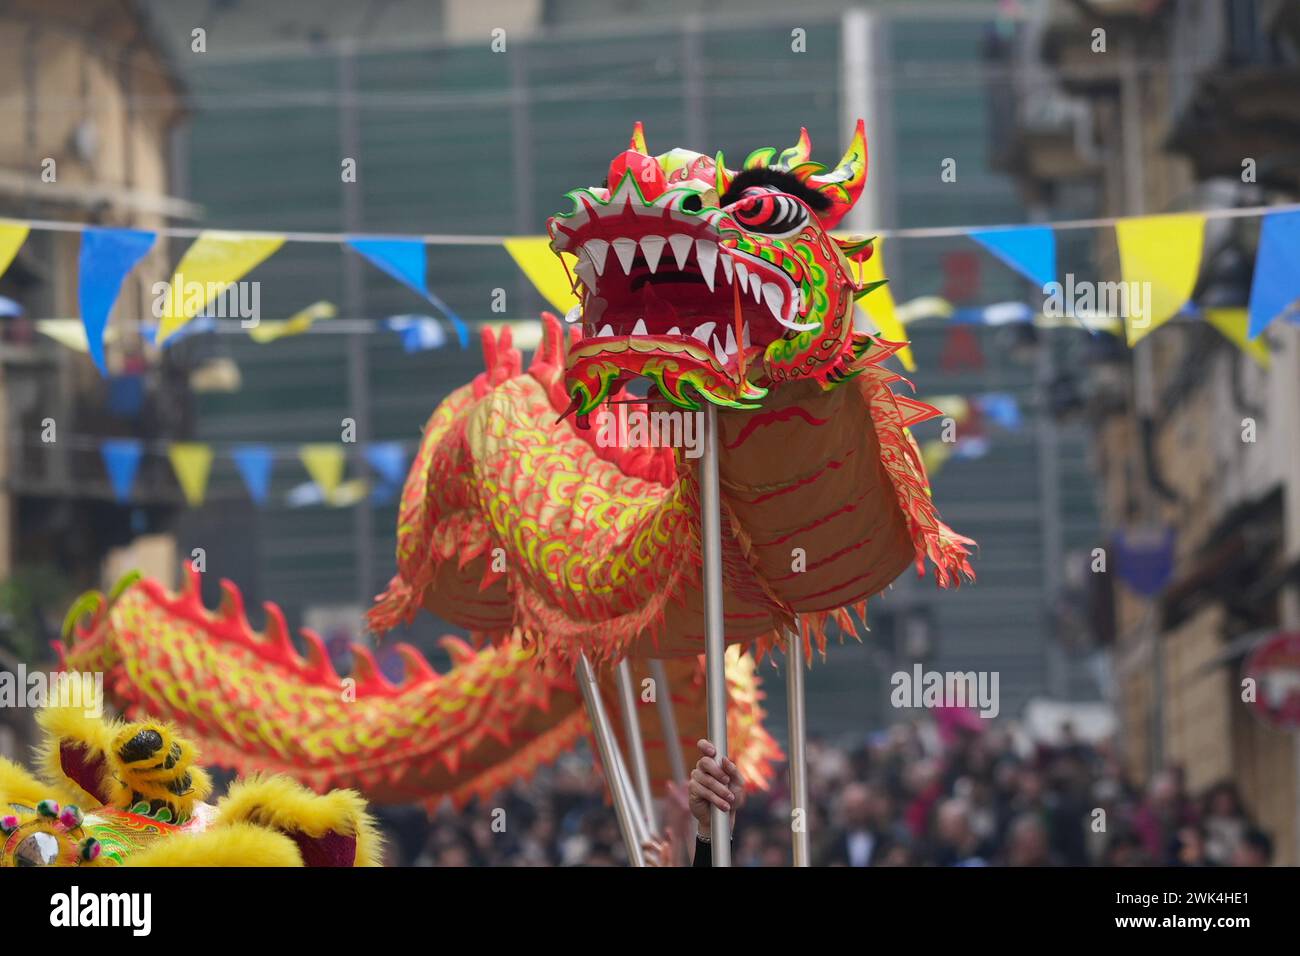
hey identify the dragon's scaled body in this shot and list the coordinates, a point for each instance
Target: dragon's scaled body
(521, 524)
(254, 703)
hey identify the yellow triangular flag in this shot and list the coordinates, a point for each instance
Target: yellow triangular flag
(296, 324)
(70, 333)
(1235, 325)
(324, 462)
(542, 266)
(215, 260)
(1162, 255)
(192, 463)
(924, 307)
(348, 493)
(12, 237)
(955, 407)
(934, 455)
(879, 304)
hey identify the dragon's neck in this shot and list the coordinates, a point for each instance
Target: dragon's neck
(809, 496)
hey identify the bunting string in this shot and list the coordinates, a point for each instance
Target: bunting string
(466, 239)
(325, 465)
(1160, 262)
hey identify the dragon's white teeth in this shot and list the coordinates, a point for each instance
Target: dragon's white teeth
(731, 339)
(606, 332)
(598, 249)
(756, 287)
(799, 326)
(586, 272)
(652, 247)
(744, 336)
(639, 328)
(772, 296)
(719, 351)
(707, 253)
(674, 331)
(625, 249)
(742, 275)
(681, 246)
(727, 267)
(702, 332)
(573, 315)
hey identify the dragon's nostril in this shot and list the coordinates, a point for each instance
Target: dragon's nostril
(692, 204)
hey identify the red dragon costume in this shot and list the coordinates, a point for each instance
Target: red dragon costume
(520, 525)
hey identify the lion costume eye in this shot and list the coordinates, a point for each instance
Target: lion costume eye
(767, 211)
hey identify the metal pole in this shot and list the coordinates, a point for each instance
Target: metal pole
(794, 683)
(715, 642)
(640, 828)
(694, 84)
(635, 745)
(624, 808)
(668, 721)
(521, 154)
(1049, 511)
(1144, 400)
(1286, 386)
(358, 392)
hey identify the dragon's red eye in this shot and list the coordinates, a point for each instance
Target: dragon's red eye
(770, 212)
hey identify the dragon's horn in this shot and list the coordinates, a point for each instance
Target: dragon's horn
(637, 142)
(721, 177)
(796, 154)
(843, 184)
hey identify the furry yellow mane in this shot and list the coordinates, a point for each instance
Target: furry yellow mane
(132, 794)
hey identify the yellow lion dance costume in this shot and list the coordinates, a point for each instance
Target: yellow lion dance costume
(118, 794)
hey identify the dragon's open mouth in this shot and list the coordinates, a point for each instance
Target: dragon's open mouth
(657, 281)
(685, 290)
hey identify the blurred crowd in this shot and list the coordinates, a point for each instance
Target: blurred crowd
(938, 792)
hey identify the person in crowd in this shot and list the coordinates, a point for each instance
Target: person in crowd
(956, 843)
(854, 841)
(1223, 815)
(1255, 849)
(1027, 843)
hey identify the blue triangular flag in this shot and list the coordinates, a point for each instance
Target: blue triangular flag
(418, 332)
(254, 463)
(403, 259)
(1002, 408)
(121, 459)
(1030, 250)
(1276, 285)
(107, 256)
(389, 459)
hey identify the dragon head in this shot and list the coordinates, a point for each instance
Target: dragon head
(700, 278)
